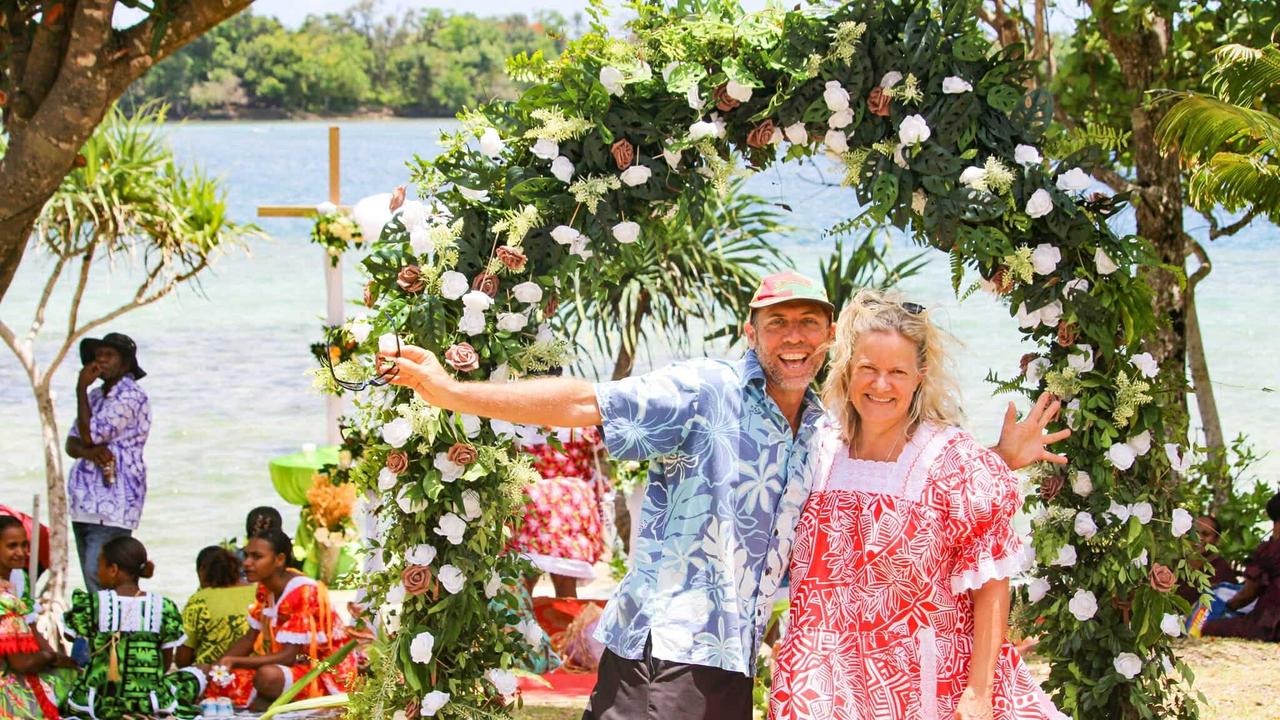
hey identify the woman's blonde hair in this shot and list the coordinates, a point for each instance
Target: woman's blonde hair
(937, 400)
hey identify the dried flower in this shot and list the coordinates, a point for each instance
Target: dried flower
(330, 504)
(416, 579)
(397, 461)
(462, 454)
(369, 296)
(1162, 578)
(762, 135)
(397, 198)
(724, 101)
(410, 279)
(878, 102)
(1050, 486)
(513, 258)
(624, 153)
(1067, 333)
(486, 283)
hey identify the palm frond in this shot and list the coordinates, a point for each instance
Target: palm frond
(1243, 74)
(1201, 125)
(1237, 181)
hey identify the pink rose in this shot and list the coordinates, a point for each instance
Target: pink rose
(397, 461)
(462, 357)
(462, 454)
(410, 279)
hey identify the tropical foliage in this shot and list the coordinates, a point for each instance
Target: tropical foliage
(1229, 140)
(936, 134)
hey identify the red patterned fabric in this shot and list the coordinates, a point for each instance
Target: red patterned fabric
(881, 623)
(562, 517)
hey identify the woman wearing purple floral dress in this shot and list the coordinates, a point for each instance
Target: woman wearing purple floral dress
(109, 480)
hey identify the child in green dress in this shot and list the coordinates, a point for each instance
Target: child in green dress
(131, 635)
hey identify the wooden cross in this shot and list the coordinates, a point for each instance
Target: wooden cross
(334, 312)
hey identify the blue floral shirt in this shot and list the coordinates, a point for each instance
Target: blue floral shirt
(122, 420)
(725, 492)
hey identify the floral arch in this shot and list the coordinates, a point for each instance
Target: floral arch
(938, 136)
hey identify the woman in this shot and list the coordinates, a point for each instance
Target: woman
(562, 533)
(33, 677)
(902, 558)
(217, 614)
(291, 627)
(131, 635)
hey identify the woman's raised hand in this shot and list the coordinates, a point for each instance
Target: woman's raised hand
(1024, 443)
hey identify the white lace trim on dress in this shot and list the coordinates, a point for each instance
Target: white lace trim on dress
(298, 638)
(989, 569)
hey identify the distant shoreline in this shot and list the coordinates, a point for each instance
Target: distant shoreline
(255, 114)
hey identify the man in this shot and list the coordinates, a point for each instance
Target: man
(1261, 584)
(109, 480)
(730, 442)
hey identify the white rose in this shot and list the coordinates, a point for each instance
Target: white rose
(1171, 624)
(1081, 358)
(1026, 155)
(626, 232)
(797, 134)
(452, 528)
(840, 119)
(504, 681)
(1103, 262)
(1085, 527)
(471, 504)
(1050, 314)
(694, 98)
(490, 143)
(502, 428)
(565, 235)
(836, 141)
(579, 247)
(372, 214)
(453, 285)
(1141, 443)
(494, 586)
(1036, 369)
(1118, 511)
(449, 470)
(386, 480)
(527, 292)
(562, 168)
(1037, 589)
(1142, 560)
(1128, 665)
(471, 322)
(891, 78)
(421, 646)
(475, 195)
(836, 97)
(360, 329)
(1083, 605)
(389, 617)
(432, 702)
(636, 175)
(1121, 456)
(741, 93)
(1026, 318)
(531, 631)
(396, 433)
(1074, 180)
(955, 86)
(973, 177)
(1073, 414)
(396, 594)
(1045, 258)
(1039, 204)
(611, 78)
(422, 554)
(451, 577)
(512, 322)
(913, 130)
(671, 156)
(502, 373)
(1146, 364)
(326, 208)
(470, 425)
(1082, 484)
(1143, 511)
(1066, 556)
(702, 130)
(1078, 285)
(477, 301)
(407, 505)
(545, 149)
(899, 158)
(775, 137)
(1178, 462)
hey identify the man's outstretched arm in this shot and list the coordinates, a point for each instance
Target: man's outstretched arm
(547, 401)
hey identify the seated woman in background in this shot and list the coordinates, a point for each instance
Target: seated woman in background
(131, 634)
(218, 613)
(1261, 589)
(33, 677)
(291, 627)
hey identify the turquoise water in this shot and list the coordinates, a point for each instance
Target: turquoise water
(227, 362)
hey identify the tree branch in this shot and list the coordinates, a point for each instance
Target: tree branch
(1206, 265)
(24, 356)
(1114, 180)
(80, 286)
(1215, 232)
(38, 320)
(186, 22)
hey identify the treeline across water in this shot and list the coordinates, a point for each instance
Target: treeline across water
(420, 63)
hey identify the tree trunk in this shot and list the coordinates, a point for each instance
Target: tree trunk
(625, 361)
(59, 548)
(1203, 387)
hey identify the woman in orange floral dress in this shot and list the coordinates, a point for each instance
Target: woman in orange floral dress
(291, 627)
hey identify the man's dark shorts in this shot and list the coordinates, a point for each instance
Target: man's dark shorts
(653, 689)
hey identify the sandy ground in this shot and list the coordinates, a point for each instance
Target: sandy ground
(1240, 680)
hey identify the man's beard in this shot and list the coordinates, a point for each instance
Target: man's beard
(775, 377)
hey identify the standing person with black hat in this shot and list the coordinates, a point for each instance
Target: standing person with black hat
(108, 483)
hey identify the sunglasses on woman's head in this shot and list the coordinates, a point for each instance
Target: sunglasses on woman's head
(913, 308)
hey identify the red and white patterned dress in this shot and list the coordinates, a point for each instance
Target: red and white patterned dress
(562, 532)
(301, 616)
(881, 622)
